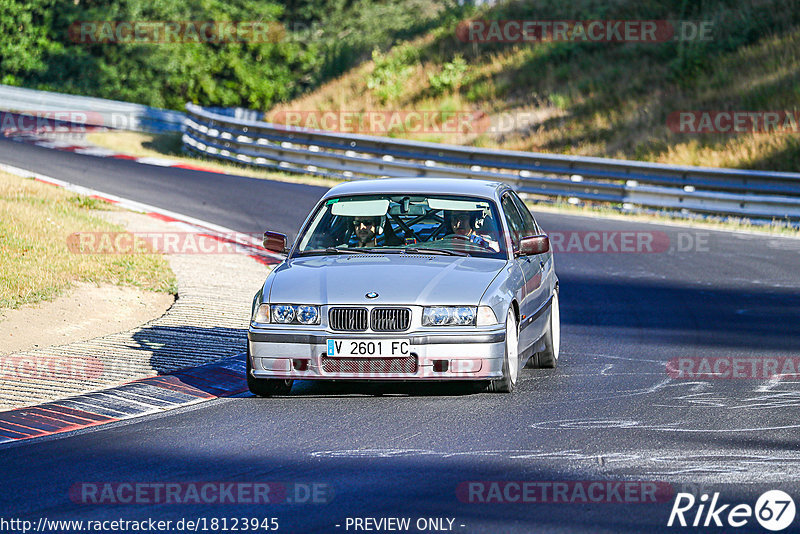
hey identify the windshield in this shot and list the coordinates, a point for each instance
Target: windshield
(404, 224)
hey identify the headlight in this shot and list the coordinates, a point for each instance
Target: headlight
(448, 316)
(282, 313)
(286, 314)
(307, 314)
(261, 314)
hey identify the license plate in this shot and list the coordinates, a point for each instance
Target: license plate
(384, 348)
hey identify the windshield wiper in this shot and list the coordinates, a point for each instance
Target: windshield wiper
(334, 250)
(330, 250)
(416, 250)
(381, 250)
(423, 250)
(388, 250)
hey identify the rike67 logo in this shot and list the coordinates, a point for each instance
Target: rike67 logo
(774, 510)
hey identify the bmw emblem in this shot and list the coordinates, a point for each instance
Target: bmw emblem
(371, 295)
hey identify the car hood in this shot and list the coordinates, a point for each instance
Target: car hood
(396, 278)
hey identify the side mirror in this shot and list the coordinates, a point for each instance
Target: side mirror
(534, 244)
(275, 242)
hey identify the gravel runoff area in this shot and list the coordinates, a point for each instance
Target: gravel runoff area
(207, 322)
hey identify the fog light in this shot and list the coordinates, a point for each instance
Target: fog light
(466, 365)
(440, 366)
(300, 365)
(278, 365)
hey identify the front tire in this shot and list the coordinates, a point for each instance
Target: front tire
(548, 358)
(508, 383)
(266, 387)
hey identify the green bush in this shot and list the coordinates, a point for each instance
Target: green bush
(323, 38)
(450, 78)
(387, 80)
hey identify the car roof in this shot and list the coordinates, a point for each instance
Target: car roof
(423, 186)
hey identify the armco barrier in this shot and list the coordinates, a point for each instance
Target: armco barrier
(753, 194)
(98, 111)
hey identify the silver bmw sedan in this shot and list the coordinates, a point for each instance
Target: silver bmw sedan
(407, 279)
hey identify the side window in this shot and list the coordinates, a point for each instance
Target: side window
(514, 220)
(531, 228)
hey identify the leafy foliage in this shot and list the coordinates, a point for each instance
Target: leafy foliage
(451, 76)
(319, 39)
(23, 38)
(387, 79)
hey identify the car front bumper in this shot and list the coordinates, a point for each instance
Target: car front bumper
(302, 355)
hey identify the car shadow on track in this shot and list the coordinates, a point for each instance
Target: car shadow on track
(173, 348)
(344, 388)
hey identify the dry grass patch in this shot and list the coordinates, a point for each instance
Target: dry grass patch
(36, 264)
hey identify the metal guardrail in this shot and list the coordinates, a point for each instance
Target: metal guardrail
(89, 110)
(234, 134)
(733, 192)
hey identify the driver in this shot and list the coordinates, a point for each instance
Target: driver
(366, 231)
(463, 223)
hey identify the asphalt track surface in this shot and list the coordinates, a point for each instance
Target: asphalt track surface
(610, 411)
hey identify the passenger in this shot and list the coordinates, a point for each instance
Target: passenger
(366, 231)
(463, 223)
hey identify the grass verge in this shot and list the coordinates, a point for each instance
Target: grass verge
(35, 262)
